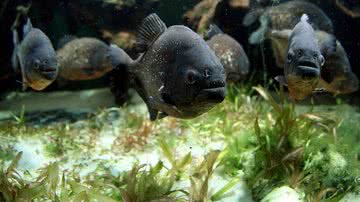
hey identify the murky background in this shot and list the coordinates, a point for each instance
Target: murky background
(91, 139)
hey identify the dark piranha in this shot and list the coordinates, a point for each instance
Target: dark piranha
(177, 74)
(303, 61)
(36, 57)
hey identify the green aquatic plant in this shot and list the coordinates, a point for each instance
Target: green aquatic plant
(177, 165)
(280, 150)
(14, 188)
(275, 1)
(48, 185)
(20, 119)
(267, 142)
(147, 185)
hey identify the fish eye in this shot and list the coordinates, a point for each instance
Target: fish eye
(299, 53)
(322, 60)
(191, 77)
(289, 58)
(207, 73)
(37, 64)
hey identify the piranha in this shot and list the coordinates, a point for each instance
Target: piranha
(88, 58)
(177, 73)
(303, 61)
(285, 16)
(35, 57)
(336, 75)
(231, 54)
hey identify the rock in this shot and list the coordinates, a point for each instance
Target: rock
(283, 194)
(201, 16)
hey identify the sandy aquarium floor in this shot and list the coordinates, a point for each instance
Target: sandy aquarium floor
(96, 143)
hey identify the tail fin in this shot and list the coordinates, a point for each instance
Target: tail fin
(260, 34)
(14, 57)
(119, 58)
(213, 30)
(119, 76)
(251, 17)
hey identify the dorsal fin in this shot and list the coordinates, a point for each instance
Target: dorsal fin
(304, 18)
(213, 30)
(14, 57)
(151, 28)
(27, 27)
(65, 40)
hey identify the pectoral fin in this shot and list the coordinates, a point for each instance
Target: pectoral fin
(162, 106)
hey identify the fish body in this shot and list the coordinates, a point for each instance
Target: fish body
(87, 58)
(231, 54)
(303, 60)
(177, 74)
(35, 57)
(286, 16)
(336, 74)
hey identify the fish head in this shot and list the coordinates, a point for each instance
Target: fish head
(39, 62)
(302, 69)
(197, 80)
(41, 70)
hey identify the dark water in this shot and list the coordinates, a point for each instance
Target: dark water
(81, 126)
(84, 18)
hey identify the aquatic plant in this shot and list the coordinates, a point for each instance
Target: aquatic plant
(20, 119)
(49, 185)
(282, 148)
(263, 141)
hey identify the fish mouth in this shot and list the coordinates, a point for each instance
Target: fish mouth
(49, 73)
(215, 92)
(307, 64)
(307, 70)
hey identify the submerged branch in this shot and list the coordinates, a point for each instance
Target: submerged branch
(347, 11)
(3, 7)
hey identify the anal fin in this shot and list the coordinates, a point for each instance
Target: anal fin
(153, 113)
(162, 115)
